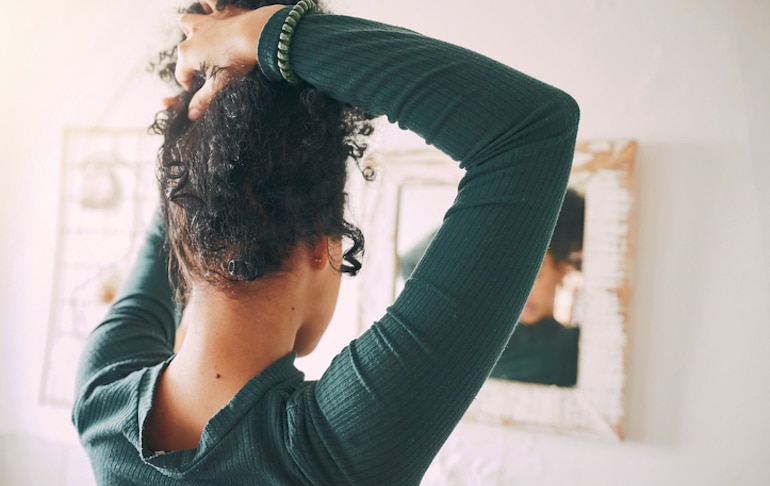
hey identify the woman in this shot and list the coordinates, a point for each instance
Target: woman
(230, 407)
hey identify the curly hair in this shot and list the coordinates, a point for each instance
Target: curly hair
(567, 240)
(262, 170)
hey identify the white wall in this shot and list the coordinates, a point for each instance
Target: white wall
(687, 78)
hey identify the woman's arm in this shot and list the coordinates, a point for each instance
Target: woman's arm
(140, 325)
(390, 399)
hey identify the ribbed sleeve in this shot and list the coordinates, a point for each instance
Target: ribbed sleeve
(390, 399)
(141, 323)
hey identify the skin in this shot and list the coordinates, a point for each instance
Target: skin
(234, 334)
(541, 299)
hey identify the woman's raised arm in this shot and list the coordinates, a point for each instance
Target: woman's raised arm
(391, 398)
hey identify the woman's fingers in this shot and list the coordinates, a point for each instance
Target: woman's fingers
(202, 98)
(182, 72)
(187, 52)
(187, 23)
(170, 103)
(208, 6)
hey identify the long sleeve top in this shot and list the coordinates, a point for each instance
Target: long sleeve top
(388, 401)
(544, 352)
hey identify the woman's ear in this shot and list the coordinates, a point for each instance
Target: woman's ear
(326, 251)
(319, 255)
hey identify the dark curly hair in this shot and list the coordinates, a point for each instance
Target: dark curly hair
(567, 240)
(262, 170)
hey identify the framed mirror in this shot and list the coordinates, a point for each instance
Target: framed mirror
(592, 299)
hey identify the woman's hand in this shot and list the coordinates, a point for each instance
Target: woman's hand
(221, 43)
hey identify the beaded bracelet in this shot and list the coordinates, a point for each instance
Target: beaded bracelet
(287, 33)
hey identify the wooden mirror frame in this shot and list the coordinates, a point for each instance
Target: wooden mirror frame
(604, 171)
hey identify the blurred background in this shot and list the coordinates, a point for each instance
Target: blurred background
(686, 78)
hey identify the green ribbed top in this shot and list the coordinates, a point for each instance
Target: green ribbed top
(389, 400)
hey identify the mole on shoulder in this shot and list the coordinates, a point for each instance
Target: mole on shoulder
(218, 376)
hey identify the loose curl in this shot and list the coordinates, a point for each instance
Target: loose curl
(262, 170)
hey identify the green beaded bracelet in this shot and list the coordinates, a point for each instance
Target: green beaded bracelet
(287, 33)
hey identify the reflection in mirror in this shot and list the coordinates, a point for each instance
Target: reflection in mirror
(544, 346)
(585, 279)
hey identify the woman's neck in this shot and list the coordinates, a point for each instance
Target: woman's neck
(230, 339)
(233, 335)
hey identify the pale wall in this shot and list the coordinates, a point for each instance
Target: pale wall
(688, 79)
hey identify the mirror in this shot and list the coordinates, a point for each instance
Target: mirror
(412, 191)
